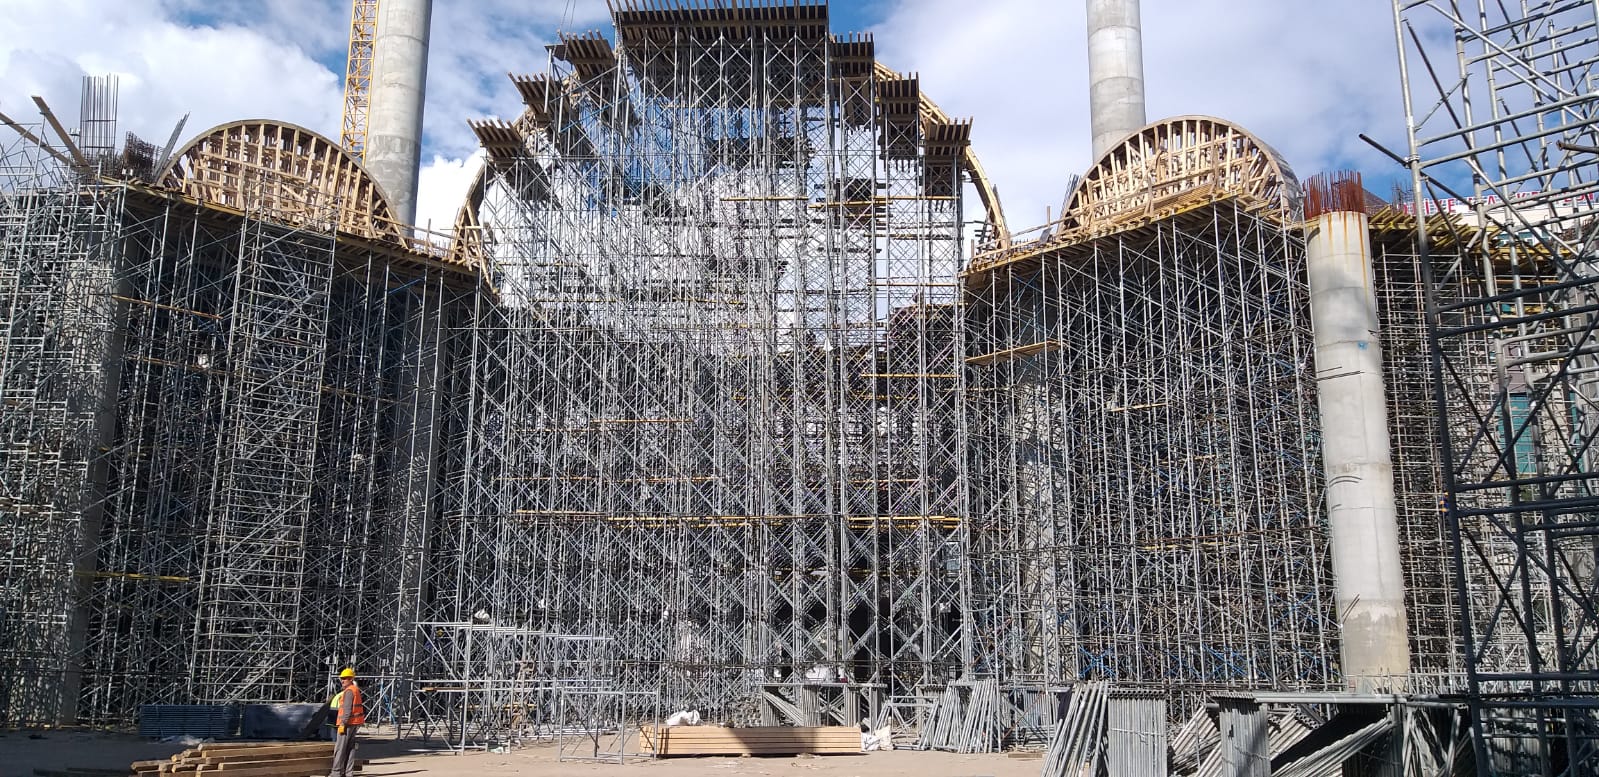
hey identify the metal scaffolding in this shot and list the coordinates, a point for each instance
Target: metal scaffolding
(1143, 405)
(1503, 127)
(55, 236)
(221, 418)
(715, 415)
(259, 509)
(707, 407)
(1437, 662)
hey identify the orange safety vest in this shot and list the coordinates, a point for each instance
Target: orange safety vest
(351, 711)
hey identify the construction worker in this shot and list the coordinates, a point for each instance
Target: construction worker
(350, 716)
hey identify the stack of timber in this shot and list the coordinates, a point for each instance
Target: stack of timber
(73, 771)
(758, 740)
(235, 759)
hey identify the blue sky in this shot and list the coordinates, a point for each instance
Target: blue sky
(844, 16)
(1305, 75)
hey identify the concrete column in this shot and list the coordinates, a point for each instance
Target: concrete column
(1368, 577)
(399, 87)
(1115, 72)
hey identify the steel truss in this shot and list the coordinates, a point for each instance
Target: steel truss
(1504, 129)
(715, 412)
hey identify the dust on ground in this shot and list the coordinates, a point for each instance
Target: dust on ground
(22, 751)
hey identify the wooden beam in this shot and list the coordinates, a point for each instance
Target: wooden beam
(61, 132)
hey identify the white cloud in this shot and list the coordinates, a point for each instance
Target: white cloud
(441, 188)
(320, 27)
(1307, 76)
(167, 68)
(474, 45)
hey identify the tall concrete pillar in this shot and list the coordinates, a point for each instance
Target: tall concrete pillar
(1115, 72)
(399, 87)
(1368, 576)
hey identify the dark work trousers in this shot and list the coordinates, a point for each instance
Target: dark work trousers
(344, 753)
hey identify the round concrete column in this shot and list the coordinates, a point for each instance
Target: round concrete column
(1368, 577)
(399, 88)
(1115, 72)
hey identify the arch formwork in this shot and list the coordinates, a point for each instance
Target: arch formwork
(284, 171)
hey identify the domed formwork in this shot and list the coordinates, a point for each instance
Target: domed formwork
(717, 410)
(1163, 170)
(292, 174)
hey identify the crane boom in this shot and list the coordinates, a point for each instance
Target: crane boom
(358, 76)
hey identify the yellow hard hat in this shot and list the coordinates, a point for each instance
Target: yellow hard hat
(348, 672)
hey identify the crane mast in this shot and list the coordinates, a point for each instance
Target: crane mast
(358, 76)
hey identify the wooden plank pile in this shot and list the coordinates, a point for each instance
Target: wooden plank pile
(244, 759)
(757, 740)
(74, 771)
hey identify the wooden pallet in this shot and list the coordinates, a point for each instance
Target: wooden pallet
(243, 759)
(760, 740)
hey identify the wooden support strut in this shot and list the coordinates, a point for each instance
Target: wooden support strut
(79, 160)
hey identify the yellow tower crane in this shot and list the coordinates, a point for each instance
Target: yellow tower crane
(358, 76)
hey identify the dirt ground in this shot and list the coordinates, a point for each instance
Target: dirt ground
(21, 752)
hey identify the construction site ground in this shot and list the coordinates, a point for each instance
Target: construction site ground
(21, 752)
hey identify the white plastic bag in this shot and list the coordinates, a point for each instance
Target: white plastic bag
(684, 718)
